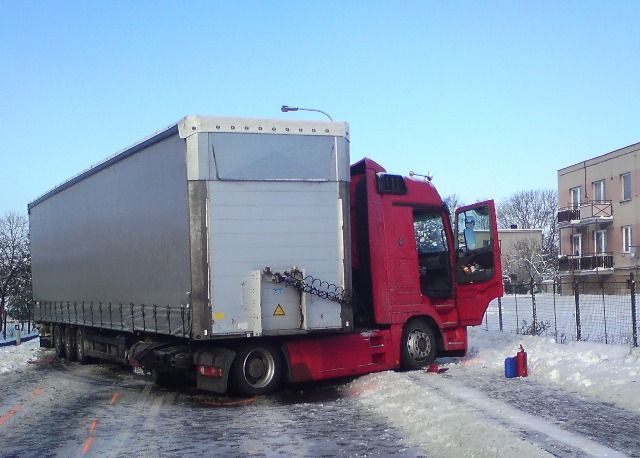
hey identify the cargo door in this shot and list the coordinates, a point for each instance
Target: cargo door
(478, 270)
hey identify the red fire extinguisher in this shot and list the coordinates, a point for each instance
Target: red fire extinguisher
(522, 363)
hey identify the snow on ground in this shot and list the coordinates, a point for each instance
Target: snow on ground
(610, 373)
(434, 422)
(446, 416)
(13, 358)
(452, 415)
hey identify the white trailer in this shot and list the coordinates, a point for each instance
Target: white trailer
(184, 223)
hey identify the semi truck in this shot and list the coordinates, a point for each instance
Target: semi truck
(246, 253)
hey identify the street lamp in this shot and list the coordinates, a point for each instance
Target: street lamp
(286, 108)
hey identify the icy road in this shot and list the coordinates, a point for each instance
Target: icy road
(55, 408)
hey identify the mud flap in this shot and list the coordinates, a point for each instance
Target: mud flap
(218, 357)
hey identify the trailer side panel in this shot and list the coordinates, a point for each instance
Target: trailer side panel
(116, 243)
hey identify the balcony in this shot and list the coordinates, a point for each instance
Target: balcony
(592, 211)
(587, 263)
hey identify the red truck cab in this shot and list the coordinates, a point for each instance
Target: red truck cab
(418, 279)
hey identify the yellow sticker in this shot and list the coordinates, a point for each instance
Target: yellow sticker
(279, 311)
(218, 316)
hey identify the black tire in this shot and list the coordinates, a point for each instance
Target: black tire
(58, 340)
(81, 356)
(257, 369)
(70, 343)
(418, 348)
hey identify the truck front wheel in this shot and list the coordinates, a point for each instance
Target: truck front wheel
(257, 369)
(418, 345)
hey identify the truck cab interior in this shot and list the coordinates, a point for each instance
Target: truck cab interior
(433, 253)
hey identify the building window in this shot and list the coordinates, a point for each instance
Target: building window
(598, 190)
(626, 239)
(625, 178)
(577, 244)
(575, 197)
(600, 241)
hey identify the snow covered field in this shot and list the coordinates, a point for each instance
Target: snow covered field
(451, 415)
(27, 332)
(603, 318)
(14, 358)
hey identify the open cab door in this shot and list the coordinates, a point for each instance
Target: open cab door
(478, 269)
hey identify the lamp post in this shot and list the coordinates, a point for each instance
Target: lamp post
(286, 108)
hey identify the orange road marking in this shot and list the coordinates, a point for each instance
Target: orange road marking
(114, 398)
(7, 416)
(87, 445)
(89, 441)
(14, 410)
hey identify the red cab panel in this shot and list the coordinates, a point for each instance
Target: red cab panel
(478, 269)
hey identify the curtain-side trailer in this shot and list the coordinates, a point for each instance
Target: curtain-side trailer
(247, 252)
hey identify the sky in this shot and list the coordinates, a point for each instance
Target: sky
(490, 98)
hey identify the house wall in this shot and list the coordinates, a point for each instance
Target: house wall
(608, 167)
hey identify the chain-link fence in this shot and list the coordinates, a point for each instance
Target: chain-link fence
(8, 325)
(603, 311)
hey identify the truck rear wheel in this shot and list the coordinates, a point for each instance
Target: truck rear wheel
(257, 369)
(70, 343)
(58, 340)
(418, 345)
(80, 343)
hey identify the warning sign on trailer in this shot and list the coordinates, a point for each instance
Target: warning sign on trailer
(279, 311)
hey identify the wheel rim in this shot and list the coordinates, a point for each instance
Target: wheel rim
(418, 344)
(259, 368)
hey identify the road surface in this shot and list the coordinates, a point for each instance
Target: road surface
(57, 408)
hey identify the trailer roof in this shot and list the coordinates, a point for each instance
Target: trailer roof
(190, 125)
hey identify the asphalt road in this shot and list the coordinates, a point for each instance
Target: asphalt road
(57, 408)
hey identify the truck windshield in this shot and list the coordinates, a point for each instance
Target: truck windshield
(429, 232)
(433, 253)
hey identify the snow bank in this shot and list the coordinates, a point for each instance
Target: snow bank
(445, 416)
(16, 357)
(610, 373)
(432, 421)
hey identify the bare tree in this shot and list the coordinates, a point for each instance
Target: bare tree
(534, 209)
(15, 265)
(527, 262)
(453, 202)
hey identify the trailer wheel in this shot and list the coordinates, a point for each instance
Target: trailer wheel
(70, 343)
(81, 356)
(58, 340)
(257, 369)
(418, 345)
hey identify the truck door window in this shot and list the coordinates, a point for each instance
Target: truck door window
(433, 253)
(474, 245)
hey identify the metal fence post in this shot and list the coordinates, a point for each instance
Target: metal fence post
(604, 312)
(634, 322)
(515, 298)
(555, 314)
(534, 329)
(500, 313)
(577, 296)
